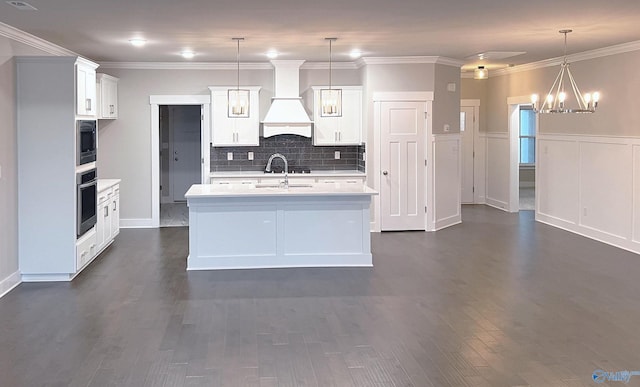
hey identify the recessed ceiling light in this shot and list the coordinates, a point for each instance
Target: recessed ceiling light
(355, 53)
(137, 42)
(21, 5)
(272, 54)
(188, 54)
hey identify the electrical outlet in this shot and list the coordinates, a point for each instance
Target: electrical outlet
(451, 86)
(337, 155)
(250, 155)
(229, 156)
(364, 156)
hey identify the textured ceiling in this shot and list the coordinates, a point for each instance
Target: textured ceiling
(100, 29)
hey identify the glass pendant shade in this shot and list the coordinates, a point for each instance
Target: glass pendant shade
(331, 101)
(480, 73)
(238, 103)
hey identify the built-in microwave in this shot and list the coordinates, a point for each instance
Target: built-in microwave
(87, 141)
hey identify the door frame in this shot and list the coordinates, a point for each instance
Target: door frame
(172, 152)
(155, 101)
(406, 96)
(479, 147)
(513, 104)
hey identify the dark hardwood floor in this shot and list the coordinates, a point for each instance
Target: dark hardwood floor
(496, 301)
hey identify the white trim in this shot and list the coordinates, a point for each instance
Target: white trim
(49, 277)
(410, 60)
(325, 66)
(496, 135)
(586, 55)
(34, 41)
(137, 223)
(500, 205)
(9, 283)
(155, 101)
(179, 99)
(479, 151)
(185, 66)
(417, 96)
(470, 102)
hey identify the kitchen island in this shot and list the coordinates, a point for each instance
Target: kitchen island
(248, 226)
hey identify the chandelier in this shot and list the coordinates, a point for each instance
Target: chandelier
(238, 99)
(330, 99)
(556, 100)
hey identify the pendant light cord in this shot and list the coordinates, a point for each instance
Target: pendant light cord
(238, 67)
(330, 52)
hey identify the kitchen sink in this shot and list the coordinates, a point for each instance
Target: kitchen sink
(291, 185)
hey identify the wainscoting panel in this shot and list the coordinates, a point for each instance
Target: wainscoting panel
(636, 193)
(590, 185)
(447, 175)
(497, 170)
(606, 183)
(557, 192)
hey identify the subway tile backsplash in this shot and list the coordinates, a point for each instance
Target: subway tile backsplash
(298, 150)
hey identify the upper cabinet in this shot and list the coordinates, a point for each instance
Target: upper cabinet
(107, 96)
(343, 130)
(86, 88)
(234, 131)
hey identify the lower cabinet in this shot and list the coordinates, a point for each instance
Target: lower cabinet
(86, 249)
(293, 179)
(108, 224)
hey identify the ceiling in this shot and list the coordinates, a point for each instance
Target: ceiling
(100, 30)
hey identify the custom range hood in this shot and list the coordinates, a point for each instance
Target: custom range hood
(286, 114)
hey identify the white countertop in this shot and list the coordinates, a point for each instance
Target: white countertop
(107, 183)
(250, 190)
(260, 174)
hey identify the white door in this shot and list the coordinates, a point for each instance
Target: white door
(402, 164)
(184, 124)
(466, 130)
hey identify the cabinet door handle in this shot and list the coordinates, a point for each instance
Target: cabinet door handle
(88, 104)
(115, 205)
(335, 136)
(340, 136)
(106, 211)
(92, 246)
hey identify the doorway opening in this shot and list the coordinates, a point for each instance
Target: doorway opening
(180, 143)
(527, 159)
(523, 129)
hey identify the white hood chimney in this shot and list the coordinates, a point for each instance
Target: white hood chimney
(286, 114)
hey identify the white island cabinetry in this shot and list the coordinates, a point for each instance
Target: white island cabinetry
(247, 226)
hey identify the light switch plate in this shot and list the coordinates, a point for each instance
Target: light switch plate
(451, 86)
(337, 155)
(447, 127)
(229, 156)
(250, 155)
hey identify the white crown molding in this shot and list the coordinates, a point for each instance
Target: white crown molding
(586, 55)
(325, 66)
(467, 74)
(409, 60)
(184, 66)
(33, 41)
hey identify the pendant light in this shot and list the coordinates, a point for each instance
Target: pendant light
(330, 99)
(557, 98)
(238, 99)
(480, 73)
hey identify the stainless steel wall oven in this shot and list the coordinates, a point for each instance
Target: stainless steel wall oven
(87, 186)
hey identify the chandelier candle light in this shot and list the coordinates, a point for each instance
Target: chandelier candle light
(331, 99)
(238, 99)
(556, 99)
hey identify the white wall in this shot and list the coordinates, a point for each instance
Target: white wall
(590, 185)
(9, 276)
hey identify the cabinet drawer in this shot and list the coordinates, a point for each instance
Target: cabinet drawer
(85, 248)
(104, 196)
(343, 180)
(215, 181)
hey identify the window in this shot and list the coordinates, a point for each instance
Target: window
(527, 136)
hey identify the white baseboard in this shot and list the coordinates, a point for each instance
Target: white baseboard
(448, 222)
(504, 206)
(136, 223)
(9, 283)
(591, 233)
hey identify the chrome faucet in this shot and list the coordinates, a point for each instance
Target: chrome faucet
(286, 167)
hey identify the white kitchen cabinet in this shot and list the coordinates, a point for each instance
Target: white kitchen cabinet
(107, 92)
(343, 130)
(108, 223)
(47, 92)
(230, 131)
(86, 88)
(86, 249)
